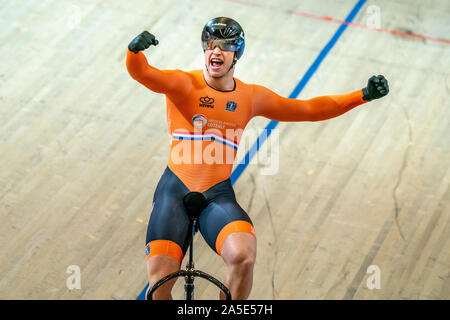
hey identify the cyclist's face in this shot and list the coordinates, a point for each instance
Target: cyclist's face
(218, 61)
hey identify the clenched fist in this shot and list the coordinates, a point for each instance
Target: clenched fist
(377, 87)
(142, 42)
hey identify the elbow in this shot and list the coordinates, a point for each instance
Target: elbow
(321, 114)
(134, 73)
(315, 118)
(135, 76)
(320, 117)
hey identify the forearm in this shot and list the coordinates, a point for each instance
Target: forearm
(141, 71)
(160, 81)
(327, 107)
(268, 104)
(137, 64)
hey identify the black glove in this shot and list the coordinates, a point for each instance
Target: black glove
(377, 87)
(142, 42)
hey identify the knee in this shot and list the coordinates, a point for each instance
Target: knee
(239, 250)
(155, 276)
(161, 266)
(239, 258)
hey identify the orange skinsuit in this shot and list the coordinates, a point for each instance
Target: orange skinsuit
(220, 117)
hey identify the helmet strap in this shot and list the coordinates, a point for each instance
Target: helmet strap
(234, 61)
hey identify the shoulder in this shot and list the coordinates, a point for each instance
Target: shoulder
(252, 86)
(194, 76)
(249, 87)
(185, 76)
(197, 74)
(256, 89)
(176, 72)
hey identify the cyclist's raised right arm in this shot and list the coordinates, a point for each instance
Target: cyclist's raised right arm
(161, 81)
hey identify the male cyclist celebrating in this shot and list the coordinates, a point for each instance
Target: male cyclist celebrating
(207, 110)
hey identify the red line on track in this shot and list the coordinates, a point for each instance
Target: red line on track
(353, 24)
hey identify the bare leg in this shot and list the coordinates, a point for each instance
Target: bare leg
(158, 267)
(239, 254)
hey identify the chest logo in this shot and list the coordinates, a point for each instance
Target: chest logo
(206, 102)
(199, 121)
(231, 106)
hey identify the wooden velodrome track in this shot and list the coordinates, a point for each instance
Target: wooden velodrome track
(82, 146)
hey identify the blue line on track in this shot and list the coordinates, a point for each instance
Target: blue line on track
(237, 172)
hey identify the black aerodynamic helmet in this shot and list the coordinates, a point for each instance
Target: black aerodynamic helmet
(226, 33)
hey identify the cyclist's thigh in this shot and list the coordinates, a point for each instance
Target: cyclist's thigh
(168, 227)
(223, 216)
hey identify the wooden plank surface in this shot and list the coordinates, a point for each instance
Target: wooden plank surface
(82, 147)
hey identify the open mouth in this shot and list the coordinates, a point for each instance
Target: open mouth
(216, 63)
